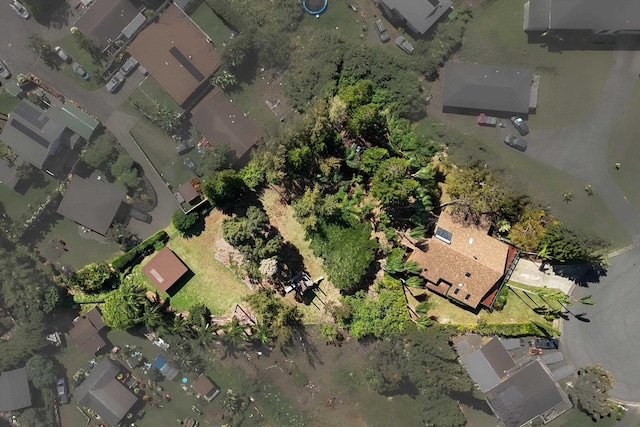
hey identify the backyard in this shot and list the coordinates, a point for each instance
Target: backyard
(7, 102)
(211, 24)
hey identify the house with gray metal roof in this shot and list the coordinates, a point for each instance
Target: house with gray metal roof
(418, 15)
(610, 17)
(488, 365)
(104, 394)
(475, 88)
(14, 390)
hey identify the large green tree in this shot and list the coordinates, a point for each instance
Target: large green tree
(100, 152)
(123, 308)
(391, 182)
(224, 187)
(591, 391)
(40, 371)
(182, 221)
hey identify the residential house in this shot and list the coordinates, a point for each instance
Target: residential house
(462, 261)
(475, 88)
(165, 269)
(104, 394)
(106, 21)
(94, 203)
(87, 331)
(418, 15)
(205, 388)
(517, 393)
(14, 390)
(611, 17)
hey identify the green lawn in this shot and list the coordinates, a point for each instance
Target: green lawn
(71, 46)
(16, 205)
(7, 102)
(211, 24)
(149, 91)
(624, 149)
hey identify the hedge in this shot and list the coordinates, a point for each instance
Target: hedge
(506, 330)
(135, 255)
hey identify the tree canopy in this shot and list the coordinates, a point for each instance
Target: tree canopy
(224, 187)
(591, 392)
(40, 371)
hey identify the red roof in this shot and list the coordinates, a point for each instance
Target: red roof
(164, 269)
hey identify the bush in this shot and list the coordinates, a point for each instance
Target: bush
(135, 255)
(506, 330)
(183, 222)
(501, 299)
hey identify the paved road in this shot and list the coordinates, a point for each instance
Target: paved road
(14, 39)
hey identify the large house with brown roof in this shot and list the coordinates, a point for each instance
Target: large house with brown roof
(463, 262)
(165, 269)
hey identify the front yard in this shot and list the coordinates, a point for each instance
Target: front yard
(70, 45)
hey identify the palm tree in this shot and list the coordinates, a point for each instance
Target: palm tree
(153, 316)
(261, 333)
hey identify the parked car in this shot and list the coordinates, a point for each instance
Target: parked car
(515, 142)
(128, 66)
(61, 387)
(520, 125)
(80, 71)
(62, 54)
(404, 44)
(551, 343)
(382, 31)
(116, 82)
(4, 70)
(19, 9)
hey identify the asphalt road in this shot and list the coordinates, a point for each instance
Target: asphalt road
(14, 40)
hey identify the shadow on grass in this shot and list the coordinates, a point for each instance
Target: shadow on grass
(177, 287)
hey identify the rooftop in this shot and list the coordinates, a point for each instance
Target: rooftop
(78, 121)
(93, 203)
(105, 20)
(489, 88)
(164, 269)
(488, 365)
(86, 331)
(594, 15)
(177, 54)
(420, 15)
(465, 257)
(14, 390)
(219, 120)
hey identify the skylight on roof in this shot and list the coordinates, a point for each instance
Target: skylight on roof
(444, 235)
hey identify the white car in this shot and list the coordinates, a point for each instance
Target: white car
(116, 82)
(61, 53)
(4, 71)
(404, 44)
(19, 9)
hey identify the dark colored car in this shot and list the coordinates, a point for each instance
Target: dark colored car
(551, 343)
(520, 125)
(515, 142)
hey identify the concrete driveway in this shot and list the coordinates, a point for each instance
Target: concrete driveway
(14, 40)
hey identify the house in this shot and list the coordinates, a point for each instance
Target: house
(516, 392)
(220, 121)
(165, 269)
(14, 390)
(94, 204)
(475, 88)
(418, 15)
(178, 55)
(462, 261)
(612, 17)
(86, 331)
(205, 388)
(104, 394)
(161, 364)
(47, 139)
(188, 193)
(105, 20)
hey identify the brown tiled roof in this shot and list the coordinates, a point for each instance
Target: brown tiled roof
(176, 53)
(85, 332)
(187, 192)
(472, 262)
(203, 385)
(164, 269)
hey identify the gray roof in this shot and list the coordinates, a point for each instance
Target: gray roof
(489, 364)
(103, 393)
(487, 88)
(105, 20)
(420, 15)
(14, 390)
(92, 203)
(536, 15)
(526, 394)
(595, 15)
(32, 133)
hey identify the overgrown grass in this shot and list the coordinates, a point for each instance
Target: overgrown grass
(7, 102)
(81, 56)
(623, 148)
(211, 24)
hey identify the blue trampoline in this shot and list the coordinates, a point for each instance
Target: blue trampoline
(314, 7)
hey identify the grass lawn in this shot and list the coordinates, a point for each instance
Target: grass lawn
(150, 90)
(16, 204)
(71, 46)
(577, 418)
(213, 283)
(623, 148)
(211, 24)
(281, 216)
(7, 102)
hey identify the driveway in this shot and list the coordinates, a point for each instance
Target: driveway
(14, 40)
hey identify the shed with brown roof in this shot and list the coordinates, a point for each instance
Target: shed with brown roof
(461, 260)
(165, 269)
(86, 331)
(205, 388)
(177, 54)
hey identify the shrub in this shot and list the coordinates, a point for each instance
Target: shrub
(501, 299)
(506, 330)
(183, 222)
(135, 255)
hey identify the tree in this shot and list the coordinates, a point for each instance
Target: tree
(330, 333)
(101, 151)
(268, 267)
(224, 79)
(391, 184)
(281, 318)
(223, 187)
(591, 391)
(27, 340)
(43, 50)
(372, 158)
(93, 277)
(125, 172)
(40, 372)
(199, 317)
(528, 231)
(121, 235)
(567, 245)
(123, 308)
(217, 158)
(314, 206)
(24, 170)
(183, 222)
(567, 196)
